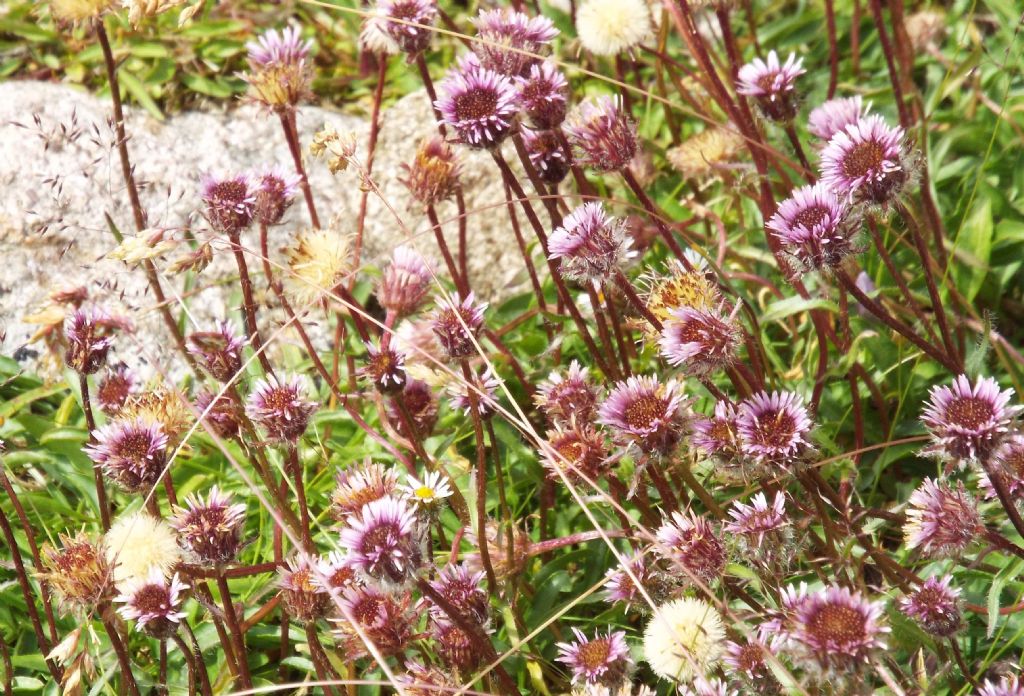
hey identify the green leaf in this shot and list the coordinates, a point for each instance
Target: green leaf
(134, 87)
(974, 248)
(796, 305)
(204, 85)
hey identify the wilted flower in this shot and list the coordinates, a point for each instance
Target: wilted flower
(542, 95)
(968, 422)
(420, 680)
(384, 368)
(578, 451)
(934, 605)
(142, 9)
(678, 287)
(303, 594)
(132, 452)
(699, 340)
(374, 36)
(79, 11)
(210, 529)
(405, 282)
(569, 398)
(433, 175)
(230, 202)
(159, 405)
(866, 161)
(504, 561)
(457, 648)
(691, 544)
(506, 38)
(771, 84)
(154, 603)
(548, 157)
(144, 246)
(701, 155)
(643, 411)
(479, 104)
(462, 588)
(759, 519)
(275, 191)
(320, 259)
(114, 389)
(195, 260)
(279, 74)
(339, 148)
(926, 28)
(683, 639)
(337, 573)
(421, 405)
(839, 628)
(383, 616)
(590, 245)
(608, 27)
(835, 115)
(78, 571)
(1006, 461)
(428, 492)
(221, 413)
(360, 486)
(88, 334)
(382, 540)
(602, 135)
(773, 428)
(138, 543)
(717, 436)
(603, 659)
(410, 38)
(941, 520)
(811, 225)
(279, 405)
(220, 351)
(456, 324)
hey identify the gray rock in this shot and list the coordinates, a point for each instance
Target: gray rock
(60, 174)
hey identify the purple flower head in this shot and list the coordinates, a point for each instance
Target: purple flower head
(421, 404)
(643, 411)
(601, 134)
(603, 659)
(279, 405)
(542, 95)
(279, 73)
(749, 660)
(934, 605)
(717, 435)
(404, 285)
(967, 422)
(421, 680)
(1007, 461)
(383, 616)
(456, 324)
(771, 84)
(590, 244)
(619, 587)
(301, 589)
(691, 544)
(275, 191)
(382, 541)
(434, 173)
(458, 649)
(812, 227)
(479, 104)
(220, 351)
(839, 628)
(230, 202)
(221, 413)
(546, 155)
(87, 332)
(941, 520)
(835, 115)
(114, 389)
(210, 529)
(580, 450)
(773, 428)
(707, 686)
(154, 603)
(568, 398)
(484, 388)
(500, 30)
(132, 452)
(359, 486)
(699, 340)
(758, 519)
(866, 161)
(1007, 686)
(337, 574)
(410, 38)
(463, 589)
(384, 368)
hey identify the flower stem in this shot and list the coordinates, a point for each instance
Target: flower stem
(481, 477)
(244, 679)
(248, 303)
(127, 678)
(291, 135)
(97, 472)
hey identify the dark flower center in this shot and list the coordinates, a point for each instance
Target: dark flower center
(863, 159)
(720, 430)
(750, 658)
(76, 557)
(152, 599)
(767, 83)
(134, 446)
(643, 411)
(302, 581)
(571, 448)
(380, 537)
(228, 192)
(342, 577)
(595, 654)
(367, 611)
(838, 624)
(1014, 461)
(775, 429)
(969, 412)
(932, 600)
(278, 400)
(476, 105)
(810, 217)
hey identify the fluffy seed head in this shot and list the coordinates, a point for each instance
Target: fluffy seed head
(77, 571)
(773, 427)
(700, 341)
(542, 95)
(935, 606)
(608, 27)
(689, 542)
(211, 529)
(643, 411)
(590, 245)
(230, 201)
(839, 628)
(603, 659)
(382, 541)
(835, 115)
(138, 543)
(771, 84)
(410, 39)
(683, 639)
(942, 520)
(153, 603)
(132, 452)
(602, 135)
(812, 227)
(278, 403)
(319, 260)
(219, 351)
(279, 74)
(967, 422)
(433, 175)
(456, 323)
(479, 104)
(866, 161)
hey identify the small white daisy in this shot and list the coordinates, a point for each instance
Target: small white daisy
(431, 489)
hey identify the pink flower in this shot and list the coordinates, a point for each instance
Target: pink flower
(383, 541)
(643, 411)
(279, 405)
(410, 38)
(546, 154)
(275, 191)
(230, 202)
(569, 398)
(717, 435)
(773, 427)
(698, 340)
(477, 103)
(88, 334)
(771, 83)
(404, 285)
(967, 422)
(499, 30)
(542, 95)
(690, 542)
(463, 589)
(758, 519)
(456, 323)
(211, 529)
(1007, 686)
(811, 226)
(154, 603)
(132, 452)
(601, 134)
(590, 245)
(934, 605)
(941, 520)
(866, 161)
(603, 659)
(219, 351)
(835, 115)
(838, 627)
